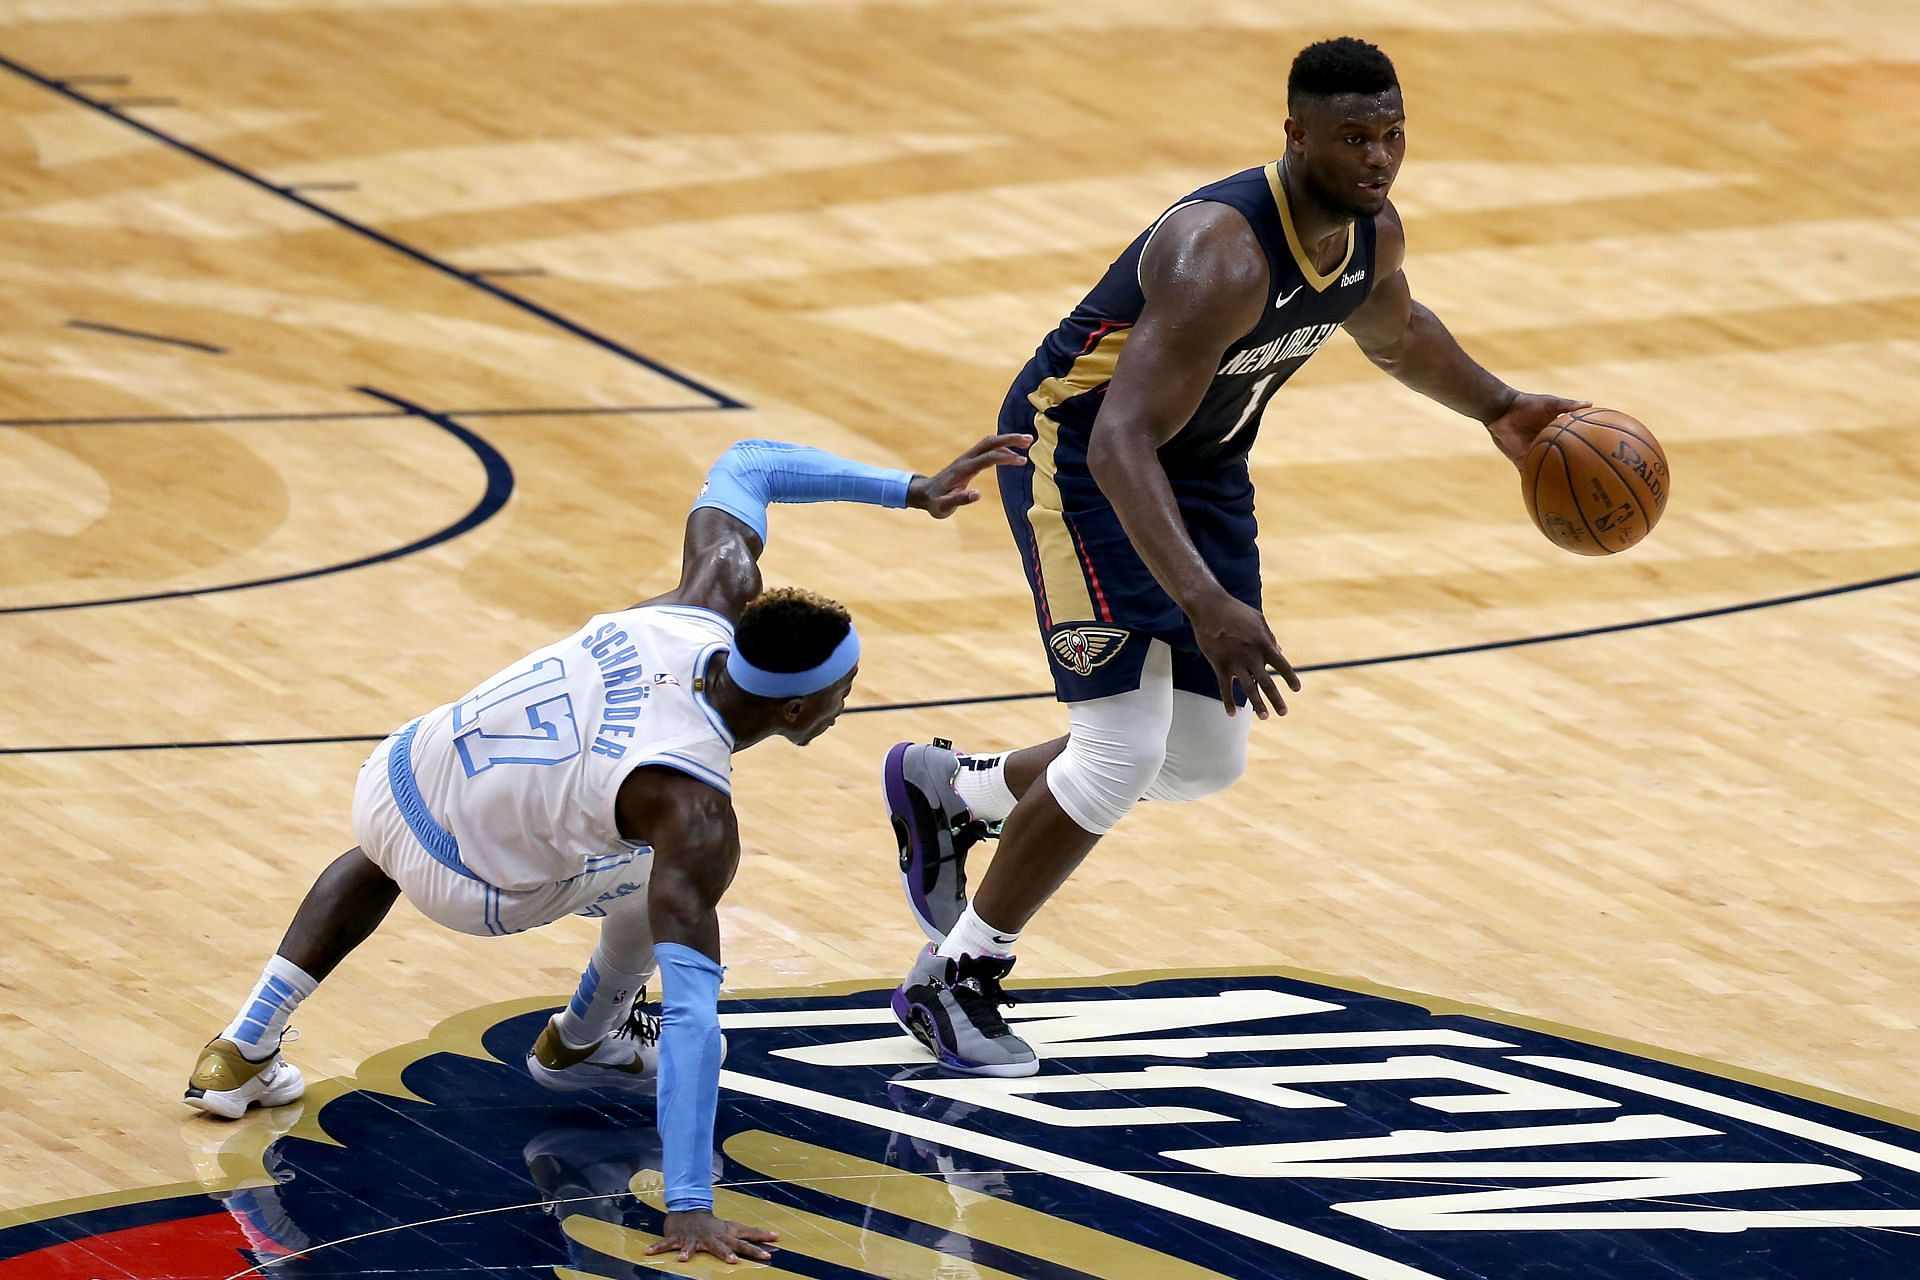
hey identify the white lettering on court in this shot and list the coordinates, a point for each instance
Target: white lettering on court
(1497, 1091)
(1062, 1029)
(1555, 1194)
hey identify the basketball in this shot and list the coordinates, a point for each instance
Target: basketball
(1595, 482)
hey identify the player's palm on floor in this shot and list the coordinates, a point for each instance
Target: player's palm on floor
(699, 1232)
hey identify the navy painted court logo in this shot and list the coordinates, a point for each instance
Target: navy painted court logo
(1244, 1125)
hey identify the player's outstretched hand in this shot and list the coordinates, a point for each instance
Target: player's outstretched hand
(698, 1231)
(944, 493)
(1513, 431)
(1241, 647)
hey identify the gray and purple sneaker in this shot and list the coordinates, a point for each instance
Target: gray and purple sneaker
(953, 1008)
(934, 829)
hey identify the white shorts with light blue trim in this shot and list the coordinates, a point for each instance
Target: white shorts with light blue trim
(615, 882)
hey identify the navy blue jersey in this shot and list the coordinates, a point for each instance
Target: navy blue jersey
(1067, 377)
(1097, 603)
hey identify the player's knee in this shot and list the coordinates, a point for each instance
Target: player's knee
(1194, 778)
(356, 878)
(1206, 753)
(1098, 779)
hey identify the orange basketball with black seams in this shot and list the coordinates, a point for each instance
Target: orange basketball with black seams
(1595, 482)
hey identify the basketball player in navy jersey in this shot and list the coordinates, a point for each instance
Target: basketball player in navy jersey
(1134, 519)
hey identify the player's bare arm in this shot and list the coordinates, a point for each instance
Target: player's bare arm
(696, 850)
(1205, 280)
(1408, 341)
(719, 563)
(683, 810)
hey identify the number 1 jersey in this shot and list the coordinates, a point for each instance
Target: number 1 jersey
(524, 770)
(1066, 381)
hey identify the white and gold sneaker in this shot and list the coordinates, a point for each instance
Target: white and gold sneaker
(627, 1060)
(226, 1082)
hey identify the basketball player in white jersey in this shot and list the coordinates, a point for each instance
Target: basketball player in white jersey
(593, 777)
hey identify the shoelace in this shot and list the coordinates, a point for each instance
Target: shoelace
(977, 990)
(640, 1025)
(974, 830)
(967, 832)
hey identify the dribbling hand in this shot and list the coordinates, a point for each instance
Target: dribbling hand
(945, 492)
(1241, 647)
(698, 1231)
(1524, 418)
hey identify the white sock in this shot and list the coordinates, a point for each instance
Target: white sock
(982, 785)
(600, 1002)
(972, 936)
(263, 1017)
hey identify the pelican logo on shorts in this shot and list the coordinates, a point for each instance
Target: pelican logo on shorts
(1081, 649)
(1240, 1124)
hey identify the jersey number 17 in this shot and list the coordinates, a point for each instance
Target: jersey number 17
(524, 719)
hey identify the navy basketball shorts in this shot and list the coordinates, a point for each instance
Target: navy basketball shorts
(1096, 602)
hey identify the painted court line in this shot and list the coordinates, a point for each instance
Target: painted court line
(1270, 1233)
(499, 489)
(142, 335)
(374, 234)
(1344, 664)
(349, 415)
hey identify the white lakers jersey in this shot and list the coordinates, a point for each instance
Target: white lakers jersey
(523, 771)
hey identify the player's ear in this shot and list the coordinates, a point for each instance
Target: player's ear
(794, 710)
(1296, 131)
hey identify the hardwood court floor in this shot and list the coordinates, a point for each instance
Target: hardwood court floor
(848, 224)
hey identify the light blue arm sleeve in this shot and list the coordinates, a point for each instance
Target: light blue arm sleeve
(689, 1073)
(755, 473)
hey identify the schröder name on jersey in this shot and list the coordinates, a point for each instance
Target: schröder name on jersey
(1297, 345)
(627, 687)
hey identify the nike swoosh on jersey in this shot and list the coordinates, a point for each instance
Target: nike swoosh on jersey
(1289, 298)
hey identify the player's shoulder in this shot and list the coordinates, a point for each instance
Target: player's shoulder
(1389, 241)
(679, 732)
(694, 759)
(670, 791)
(667, 615)
(1205, 250)
(1208, 232)
(1386, 225)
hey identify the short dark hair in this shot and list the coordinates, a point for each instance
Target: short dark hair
(790, 629)
(1344, 64)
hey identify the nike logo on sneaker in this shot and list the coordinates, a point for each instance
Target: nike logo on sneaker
(1289, 298)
